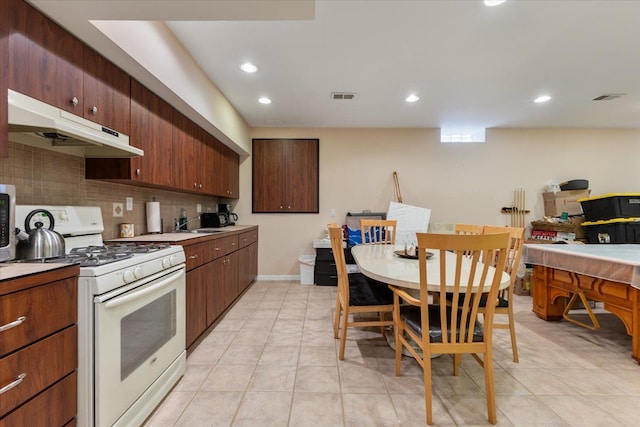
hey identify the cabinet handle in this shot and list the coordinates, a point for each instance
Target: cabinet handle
(281, 206)
(288, 207)
(138, 172)
(11, 385)
(193, 256)
(94, 110)
(13, 324)
(216, 249)
(201, 186)
(74, 101)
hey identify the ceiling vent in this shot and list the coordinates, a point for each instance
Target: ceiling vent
(608, 96)
(343, 95)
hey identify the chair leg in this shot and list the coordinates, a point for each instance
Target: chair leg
(512, 330)
(457, 361)
(396, 333)
(490, 387)
(336, 318)
(428, 398)
(343, 337)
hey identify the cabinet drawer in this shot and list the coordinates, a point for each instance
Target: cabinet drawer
(231, 244)
(326, 279)
(44, 363)
(195, 254)
(247, 238)
(56, 406)
(216, 248)
(326, 254)
(325, 267)
(45, 309)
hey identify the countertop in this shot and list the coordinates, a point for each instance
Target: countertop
(181, 237)
(10, 270)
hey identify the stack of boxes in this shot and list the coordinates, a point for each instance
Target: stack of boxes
(612, 218)
(555, 205)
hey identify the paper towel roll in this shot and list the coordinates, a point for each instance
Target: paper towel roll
(153, 217)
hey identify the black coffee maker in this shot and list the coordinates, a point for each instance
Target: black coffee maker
(225, 210)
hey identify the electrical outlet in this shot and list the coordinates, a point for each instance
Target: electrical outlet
(332, 212)
(118, 210)
(198, 208)
(129, 203)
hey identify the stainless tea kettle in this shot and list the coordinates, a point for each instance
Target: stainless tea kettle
(39, 243)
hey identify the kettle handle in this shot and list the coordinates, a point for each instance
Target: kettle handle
(27, 220)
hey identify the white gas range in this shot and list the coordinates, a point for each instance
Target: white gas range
(131, 318)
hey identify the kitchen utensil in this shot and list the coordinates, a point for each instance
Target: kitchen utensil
(40, 242)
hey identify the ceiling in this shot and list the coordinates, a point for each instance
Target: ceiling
(472, 66)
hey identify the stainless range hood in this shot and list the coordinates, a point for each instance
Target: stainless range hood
(35, 123)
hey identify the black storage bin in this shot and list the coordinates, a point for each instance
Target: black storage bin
(610, 206)
(619, 230)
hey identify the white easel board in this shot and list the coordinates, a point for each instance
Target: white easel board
(411, 220)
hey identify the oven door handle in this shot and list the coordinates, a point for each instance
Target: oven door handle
(137, 294)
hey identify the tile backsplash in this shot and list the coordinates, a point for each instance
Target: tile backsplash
(44, 177)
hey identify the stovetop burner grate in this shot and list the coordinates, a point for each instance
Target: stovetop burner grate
(92, 256)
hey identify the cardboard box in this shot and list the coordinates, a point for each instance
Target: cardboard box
(564, 201)
(552, 235)
(573, 225)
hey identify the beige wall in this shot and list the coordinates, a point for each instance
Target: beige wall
(458, 182)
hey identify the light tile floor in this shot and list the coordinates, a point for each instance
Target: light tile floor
(272, 361)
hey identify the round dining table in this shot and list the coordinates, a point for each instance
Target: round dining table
(389, 264)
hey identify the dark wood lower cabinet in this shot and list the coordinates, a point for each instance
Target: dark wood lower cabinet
(218, 271)
(42, 350)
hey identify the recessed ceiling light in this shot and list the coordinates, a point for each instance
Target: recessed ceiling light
(412, 98)
(264, 100)
(541, 99)
(248, 67)
(493, 2)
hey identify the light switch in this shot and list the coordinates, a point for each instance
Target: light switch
(198, 208)
(129, 203)
(332, 212)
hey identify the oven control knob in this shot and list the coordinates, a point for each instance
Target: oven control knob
(166, 263)
(128, 276)
(173, 259)
(138, 272)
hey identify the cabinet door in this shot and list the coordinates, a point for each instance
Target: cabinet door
(231, 285)
(196, 304)
(216, 302)
(232, 175)
(269, 175)
(186, 155)
(151, 130)
(302, 175)
(107, 92)
(45, 61)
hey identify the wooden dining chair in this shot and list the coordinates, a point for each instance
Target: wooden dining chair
(357, 295)
(468, 229)
(505, 296)
(452, 328)
(378, 231)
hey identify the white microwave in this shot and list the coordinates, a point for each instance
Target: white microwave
(7, 222)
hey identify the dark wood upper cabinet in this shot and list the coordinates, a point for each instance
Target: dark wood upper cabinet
(107, 91)
(151, 131)
(45, 61)
(285, 175)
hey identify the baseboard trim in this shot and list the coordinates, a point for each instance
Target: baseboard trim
(272, 278)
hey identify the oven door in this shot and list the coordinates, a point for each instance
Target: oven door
(138, 334)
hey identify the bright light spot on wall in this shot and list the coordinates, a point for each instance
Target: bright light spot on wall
(412, 98)
(264, 100)
(461, 135)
